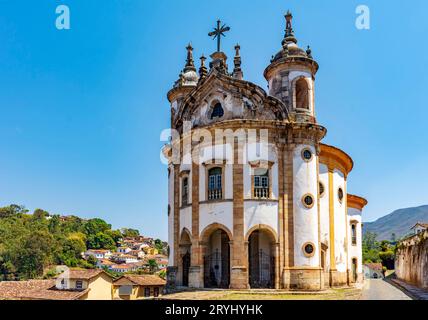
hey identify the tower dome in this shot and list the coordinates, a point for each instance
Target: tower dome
(291, 75)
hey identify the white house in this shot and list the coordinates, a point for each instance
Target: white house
(98, 254)
(419, 228)
(373, 271)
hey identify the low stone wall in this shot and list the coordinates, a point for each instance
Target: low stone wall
(411, 261)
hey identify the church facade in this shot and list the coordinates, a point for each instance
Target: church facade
(256, 200)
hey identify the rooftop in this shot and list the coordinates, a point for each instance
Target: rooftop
(140, 280)
(36, 290)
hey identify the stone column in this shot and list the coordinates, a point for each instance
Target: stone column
(333, 270)
(196, 269)
(173, 270)
(280, 258)
(288, 228)
(239, 263)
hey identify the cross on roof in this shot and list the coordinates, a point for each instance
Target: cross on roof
(218, 33)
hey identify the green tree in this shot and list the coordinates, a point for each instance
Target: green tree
(95, 226)
(388, 258)
(35, 254)
(116, 235)
(100, 241)
(153, 265)
(40, 214)
(129, 233)
(12, 210)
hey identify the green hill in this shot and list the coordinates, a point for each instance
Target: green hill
(398, 222)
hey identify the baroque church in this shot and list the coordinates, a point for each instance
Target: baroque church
(280, 219)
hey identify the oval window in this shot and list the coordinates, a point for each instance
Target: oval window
(308, 201)
(307, 155)
(309, 249)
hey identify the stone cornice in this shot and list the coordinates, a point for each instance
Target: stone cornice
(290, 62)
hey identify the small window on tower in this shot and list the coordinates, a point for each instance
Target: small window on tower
(322, 189)
(354, 234)
(218, 111)
(340, 194)
(185, 192)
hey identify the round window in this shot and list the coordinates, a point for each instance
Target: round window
(308, 201)
(340, 194)
(322, 189)
(307, 155)
(309, 250)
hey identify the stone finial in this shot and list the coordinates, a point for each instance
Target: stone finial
(309, 52)
(203, 71)
(237, 71)
(289, 32)
(190, 64)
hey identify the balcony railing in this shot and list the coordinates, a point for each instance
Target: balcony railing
(261, 193)
(215, 194)
(354, 241)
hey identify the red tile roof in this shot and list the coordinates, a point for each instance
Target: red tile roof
(36, 290)
(141, 280)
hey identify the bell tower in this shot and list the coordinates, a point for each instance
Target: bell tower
(291, 76)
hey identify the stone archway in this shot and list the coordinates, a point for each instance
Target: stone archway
(185, 254)
(216, 249)
(262, 258)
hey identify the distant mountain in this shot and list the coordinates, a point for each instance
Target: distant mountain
(398, 222)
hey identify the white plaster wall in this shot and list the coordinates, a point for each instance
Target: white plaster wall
(355, 251)
(325, 212)
(171, 217)
(220, 212)
(202, 183)
(217, 152)
(186, 219)
(228, 187)
(340, 222)
(256, 212)
(305, 220)
(324, 205)
(247, 181)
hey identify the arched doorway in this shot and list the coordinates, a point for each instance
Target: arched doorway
(354, 270)
(261, 260)
(217, 261)
(186, 251)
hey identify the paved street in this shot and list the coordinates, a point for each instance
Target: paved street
(376, 289)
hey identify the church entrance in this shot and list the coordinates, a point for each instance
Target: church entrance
(186, 269)
(261, 261)
(217, 261)
(185, 252)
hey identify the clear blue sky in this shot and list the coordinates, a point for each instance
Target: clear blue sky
(82, 110)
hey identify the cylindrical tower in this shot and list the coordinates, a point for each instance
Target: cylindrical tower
(291, 76)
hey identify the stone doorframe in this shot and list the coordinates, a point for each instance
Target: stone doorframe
(274, 248)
